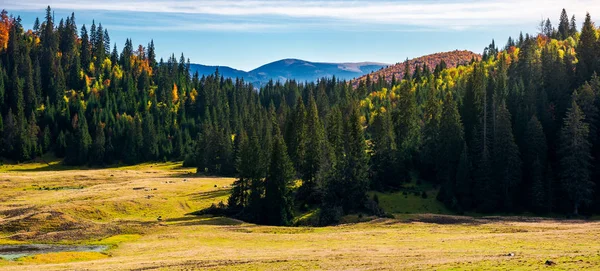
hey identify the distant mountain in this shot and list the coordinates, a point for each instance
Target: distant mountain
(452, 59)
(223, 70)
(297, 69)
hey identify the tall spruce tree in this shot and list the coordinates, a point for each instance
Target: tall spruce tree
(278, 201)
(575, 158)
(586, 50)
(506, 159)
(383, 159)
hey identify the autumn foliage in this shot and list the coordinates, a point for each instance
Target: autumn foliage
(452, 59)
(5, 24)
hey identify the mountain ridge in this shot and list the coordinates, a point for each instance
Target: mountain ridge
(293, 68)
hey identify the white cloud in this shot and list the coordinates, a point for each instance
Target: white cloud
(456, 15)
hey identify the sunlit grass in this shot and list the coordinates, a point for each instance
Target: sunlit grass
(139, 212)
(62, 257)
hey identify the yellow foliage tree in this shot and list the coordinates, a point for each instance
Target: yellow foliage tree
(175, 93)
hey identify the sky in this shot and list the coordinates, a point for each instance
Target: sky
(246, 34)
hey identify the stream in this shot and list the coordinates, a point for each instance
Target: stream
(13, 252)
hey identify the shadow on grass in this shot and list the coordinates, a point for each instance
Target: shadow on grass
(441, 219)
(204, 220)
(209, 194)
(58, 166)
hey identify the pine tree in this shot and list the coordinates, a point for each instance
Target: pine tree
(563, 26)
(279, 177)
(98, 149)
(573, 26)
(383, 159)
(430, 132)
(335, 130)
(406, 126)
(506, 160)
(586, 50)
(297, 135)
(463, 187)
(575, 158)
(315, 148)
(534, 163)
(355, 165)
(150, 139)
(238, 198)
(451, 141)
(78, 145)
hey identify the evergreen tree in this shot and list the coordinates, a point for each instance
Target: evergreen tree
(279, 177)
(575, 158)
(586, 50)
(563, 26)
(506, 160)
(79, 142)
(383, 159)
(150, 138)
(534, 164)
(406, 127)
(98, 146)
(430, 132)
(315, 148)
(297, 135)
(451, 141)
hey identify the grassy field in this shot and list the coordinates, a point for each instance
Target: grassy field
(120, 207)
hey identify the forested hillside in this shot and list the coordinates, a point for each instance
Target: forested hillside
(423, 64)
(516, 131)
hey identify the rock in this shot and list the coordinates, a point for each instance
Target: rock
(550, 263)
(512, 254)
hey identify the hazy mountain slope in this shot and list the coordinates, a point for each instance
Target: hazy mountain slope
(297, 69)
(223, 70)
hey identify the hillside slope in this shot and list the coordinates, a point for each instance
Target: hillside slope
(452, 59)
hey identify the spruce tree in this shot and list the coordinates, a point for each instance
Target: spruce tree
(534, 163)
(150, 148)
(586, 50)
(451, 141)
(297, 135)
(430, 132)
(563, 26)
(506, 159)
(575, 158)
(383, 159)
(98, 146)
(315, 148)
(280, 175)
(355, 165)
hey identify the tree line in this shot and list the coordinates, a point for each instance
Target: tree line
(516, 131)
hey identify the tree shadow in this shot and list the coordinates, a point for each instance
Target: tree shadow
(199, 196)
(204, 220)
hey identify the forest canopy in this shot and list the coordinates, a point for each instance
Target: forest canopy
(513, 131)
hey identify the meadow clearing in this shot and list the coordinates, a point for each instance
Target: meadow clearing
(139, 213)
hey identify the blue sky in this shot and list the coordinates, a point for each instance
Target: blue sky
(245, 34)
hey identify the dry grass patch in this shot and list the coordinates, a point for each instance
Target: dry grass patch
(140, 213)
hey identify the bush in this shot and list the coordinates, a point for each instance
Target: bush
(424, 195)
(219, 209)
(330, 215)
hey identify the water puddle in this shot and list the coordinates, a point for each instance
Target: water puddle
(13, 252)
